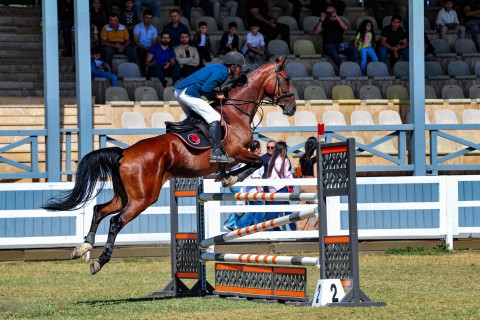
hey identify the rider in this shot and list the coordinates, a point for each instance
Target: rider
(188, 93)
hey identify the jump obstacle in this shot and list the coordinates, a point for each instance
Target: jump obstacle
(338, 255)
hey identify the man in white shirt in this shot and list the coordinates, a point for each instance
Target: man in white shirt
(447, 19)
(145, 35)
(255, 45)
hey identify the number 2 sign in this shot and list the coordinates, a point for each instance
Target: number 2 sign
(328, 291)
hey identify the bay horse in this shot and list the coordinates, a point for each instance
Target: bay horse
(139, 171)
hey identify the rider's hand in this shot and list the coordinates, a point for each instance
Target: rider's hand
(220, 96)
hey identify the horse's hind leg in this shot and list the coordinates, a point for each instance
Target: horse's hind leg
(99, 212)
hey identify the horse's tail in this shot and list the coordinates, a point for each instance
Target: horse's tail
(98, 164)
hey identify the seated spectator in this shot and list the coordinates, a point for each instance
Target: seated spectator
(97, 14)
(144, 35)
(93, 37)
(162, 61)
(154, 5)
(331, 27)
(175, 28)
(381, 9)
(66, 19)
(230, 40)
(201, 41)
(257, 12)
(285, 5)
(187, 56)
(447, 19)
(128, 17)
(255, 45)
(364, 43)
(394, 41)
(100, 68)
(231, 5)
(115, 39)
(308, 167)
(339, 6)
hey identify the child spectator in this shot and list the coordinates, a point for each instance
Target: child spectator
(255, 45)
(201, 41)
(230, 40)
(129, 18)
(364, 43)
(100, 68)
(447, 19)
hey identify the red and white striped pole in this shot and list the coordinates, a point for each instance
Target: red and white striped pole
(260, 259)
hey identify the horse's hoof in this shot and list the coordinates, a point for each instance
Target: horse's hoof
(95, 267)
(230, 181)
(80, 250)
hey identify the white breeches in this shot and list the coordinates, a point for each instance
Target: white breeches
(197, 105)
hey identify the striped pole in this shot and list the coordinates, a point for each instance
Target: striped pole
(260, 259)
(258, 196)
(306, 214)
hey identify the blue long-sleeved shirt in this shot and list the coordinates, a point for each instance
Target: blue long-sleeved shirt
(204, 81)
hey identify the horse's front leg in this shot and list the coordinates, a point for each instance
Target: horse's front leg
(252, 163)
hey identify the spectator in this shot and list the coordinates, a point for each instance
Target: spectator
(100, 68)
(66, 19)
(187, 56)
(331, 27)
(154, 5)
(201, 40)
(255, 45)
(128, 17)
(339, 6)
(285, 5)
(97, 14)
(93, 37)
(394, 40)
(447, 19)
(161, 60)
(108, 6)
(279, 167)
(381, 9)
(115, 39)
(231, 5)
(429, 49)
(175, 28)
(308, 164)
(144, 35)
(230, 40)
(186, 6)
(189, 91)
(364, 43)
(266, 159)
(257, 12)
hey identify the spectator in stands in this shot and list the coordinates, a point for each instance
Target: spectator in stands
(394, 41)
(175, 28)
(266, 159)
(144, 35)
(279, 167)
(364, 43)
(331, 27)
(97, 14)
(255, 45)
(285, 5)
(100, 68)
(308, 167)
(114, 38)
(66, 19)
(201, 40)
(231, 5)
(381, 9)
(162, 61)
(429, 48)
(187, 56)
(339, 6)
(471, 19)
(128, 17)
(108, 6)
(257, 11)
(230, 40)
(154, 5)
(186, 6)
(93, 37)
(447, 19)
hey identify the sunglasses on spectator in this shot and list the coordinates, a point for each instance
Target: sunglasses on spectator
(271, 148)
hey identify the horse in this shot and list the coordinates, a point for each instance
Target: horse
(139, 171)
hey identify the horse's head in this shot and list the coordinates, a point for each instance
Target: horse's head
(277, 87)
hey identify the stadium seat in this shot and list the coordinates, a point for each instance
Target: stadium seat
(378, 71)
(133, 120)
(157, 23)
(347, 22)
(279, 48)
(295, 92)
(314, 93)
(323, 70)
(237, 20)
(474, 92)
(397, 92)
(452, 91)
(145, 94)
(433, 70)
(257, 122)
(445, 116)
(369, 92)
(291, 22)
(305, 118)
(466, 47)
(305, 49)
(296, 143)
(442, 48)
(386, 117)
(334, 118)
(159, 118)
(351, 71)
(387, 20)
(342, 92)
(309, 24)
(372, 20)
(183, 20)
(459, 70)
(387, 147)
(430, 92)
(401, 70)
(296, 70)
(477, 68)
(277, 119)
(471, 116)
(169, 94)
(361, 118)
(116, 94)
(426, 24)
(129, 71)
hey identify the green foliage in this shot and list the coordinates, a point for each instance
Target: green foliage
(439, 249)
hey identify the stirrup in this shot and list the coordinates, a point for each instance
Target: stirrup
(221, 159)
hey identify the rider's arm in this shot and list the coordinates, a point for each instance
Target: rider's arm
(215, 79)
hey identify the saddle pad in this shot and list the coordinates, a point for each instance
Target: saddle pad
(197, 139)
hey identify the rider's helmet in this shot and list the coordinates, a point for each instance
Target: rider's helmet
(234, 57)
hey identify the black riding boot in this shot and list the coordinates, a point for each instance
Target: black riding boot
(216, 141)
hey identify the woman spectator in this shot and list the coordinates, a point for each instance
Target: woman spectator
(308, 164)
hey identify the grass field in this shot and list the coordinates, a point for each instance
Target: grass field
(436, 287)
